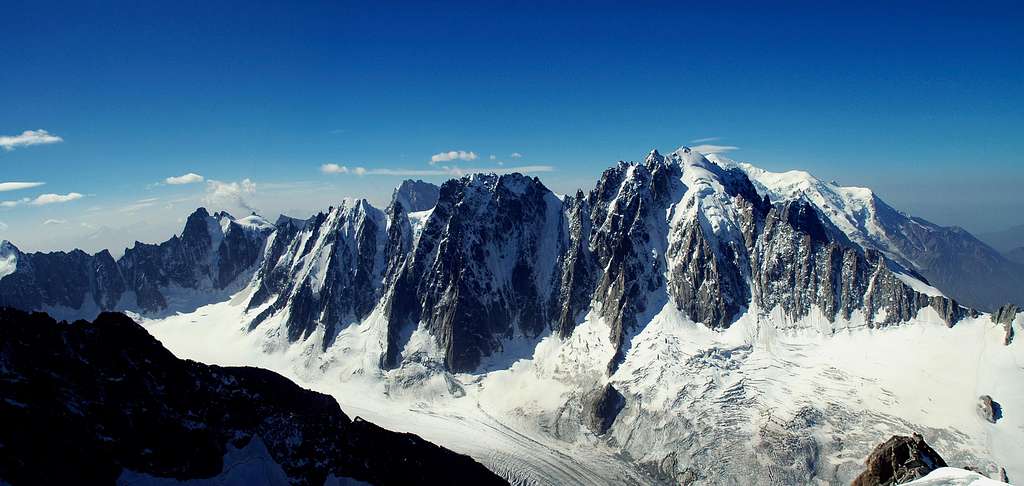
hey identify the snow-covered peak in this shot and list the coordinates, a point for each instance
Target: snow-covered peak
(791, 184)
(688, 156)
(255, 222)
(8, 258)
(854, 210)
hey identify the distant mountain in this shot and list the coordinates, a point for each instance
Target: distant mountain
(205, 263)
(104, 402)
(1005, 240)
(1016, 254)
(949, 258)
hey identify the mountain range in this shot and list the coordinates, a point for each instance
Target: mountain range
(686, 300)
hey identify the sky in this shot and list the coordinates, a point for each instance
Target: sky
(117, 119)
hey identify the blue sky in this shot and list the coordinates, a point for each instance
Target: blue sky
(922, 102)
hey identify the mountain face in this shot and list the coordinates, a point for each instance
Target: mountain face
(104, 402)
(324, 271)
(1006, 239)
(1016, 254)
(688, 318)
(951, 259)
(211, 255)
(485, 259)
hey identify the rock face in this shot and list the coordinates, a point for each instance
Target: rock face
(105, 397)
(602, 407)
(899, 460)
(482, 267)
(988, 409)
(950, 258)
(1005, 316)
(210, 255)
(486, 259)
(325, 272)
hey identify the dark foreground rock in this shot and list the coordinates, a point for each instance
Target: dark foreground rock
(899, 460)
(84, 402)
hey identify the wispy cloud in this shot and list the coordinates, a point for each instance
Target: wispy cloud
(27, 138)
(705, 139)
(3, 226)
(140, 204)
(51, 222)
(447, 171)
(453, 155)
(516, 155)
(713, 149)
(14, 186)
(190, 178)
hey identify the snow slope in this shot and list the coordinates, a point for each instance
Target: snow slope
(809, 398)
(951, 476)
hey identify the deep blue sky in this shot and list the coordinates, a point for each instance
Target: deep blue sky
(922, 102)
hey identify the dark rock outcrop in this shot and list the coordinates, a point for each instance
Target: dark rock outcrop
(1005, 316)
(84, 402)
(601, 407)
(899, 460)
(988, 409)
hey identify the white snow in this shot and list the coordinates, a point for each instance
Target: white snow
(417, 221)
(255, 222)
(951, 476)
(918, 285)
(517, 419)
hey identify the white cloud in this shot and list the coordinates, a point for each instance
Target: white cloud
(27, 138)
(42, 200)
(55, 221)
(333, 169)
(705, 139)
(45, 199)
(493, 157)
(516, 155)
(190, 178)
(713, 149)
(14, 186)
(230, 194)
(3, 226)
(452, 155)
